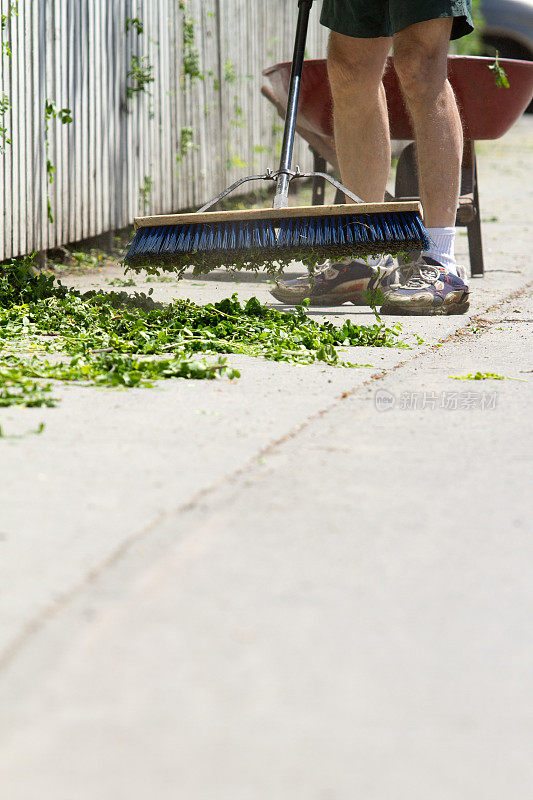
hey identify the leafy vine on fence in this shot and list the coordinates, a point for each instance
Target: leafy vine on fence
(186, 144)
(12, 11)
(140, 73)
(64, 115)
(135, 23)
(5, 49)
(229, 77)
(4, 108)
(191, 56)
(145, 190)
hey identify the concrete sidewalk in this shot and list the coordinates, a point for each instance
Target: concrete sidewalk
(294, 585)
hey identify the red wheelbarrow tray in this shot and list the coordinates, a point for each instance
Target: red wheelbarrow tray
(487, 112)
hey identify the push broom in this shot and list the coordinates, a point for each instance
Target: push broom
(272, 237)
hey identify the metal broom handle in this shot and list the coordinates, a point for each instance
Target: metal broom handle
(282, 181)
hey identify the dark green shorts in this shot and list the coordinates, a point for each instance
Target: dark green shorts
(370, 19)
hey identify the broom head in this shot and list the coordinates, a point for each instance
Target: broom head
(271, 238)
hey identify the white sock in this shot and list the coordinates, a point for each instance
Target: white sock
(441, 248)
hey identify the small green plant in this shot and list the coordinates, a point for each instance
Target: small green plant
(64, 115)
(40, 428)
(12, 11)
(275, 131)
(89, 259)
(140, 75)
(374, 298)
(4, 108)
(500, 76)
(191, 56)
(186, 144)
(18, 389)
(51, 111)
(122, 282)
(235, 161)
(50, 170)
(230, 75)
(145, 190)
(134, 23)
(238, 120)
(483, 376)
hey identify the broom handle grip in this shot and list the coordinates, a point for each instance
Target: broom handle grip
(282, 182)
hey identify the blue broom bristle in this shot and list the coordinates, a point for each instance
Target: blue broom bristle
(211, 244)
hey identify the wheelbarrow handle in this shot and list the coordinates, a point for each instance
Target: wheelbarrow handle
(282, 184)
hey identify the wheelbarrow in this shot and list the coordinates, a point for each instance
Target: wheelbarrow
(487, 112)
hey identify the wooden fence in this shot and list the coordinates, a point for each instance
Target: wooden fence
(109, 108)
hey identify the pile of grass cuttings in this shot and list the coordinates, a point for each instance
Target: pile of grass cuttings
(50, 333)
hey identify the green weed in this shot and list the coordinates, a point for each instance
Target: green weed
(49, 333)
(186, 144)
(51, 111)
(40, 428)
(145, 190)
(134, 23)
(12, 11)
(140, 75)
(500, 76)
(483, 376)
(191, 56)
(4, 108)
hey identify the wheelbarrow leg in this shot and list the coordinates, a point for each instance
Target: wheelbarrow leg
(340, 198)
(319, 184)
(407, 173)
(468, 214)
(475, 241)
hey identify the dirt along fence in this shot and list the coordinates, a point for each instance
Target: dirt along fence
(111, 108)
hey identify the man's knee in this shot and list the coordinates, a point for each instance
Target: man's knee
(353, 69)
(421, 69)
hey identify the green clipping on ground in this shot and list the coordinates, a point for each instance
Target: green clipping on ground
(484, 376)
(48, 333)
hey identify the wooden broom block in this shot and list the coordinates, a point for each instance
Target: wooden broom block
(278, 213)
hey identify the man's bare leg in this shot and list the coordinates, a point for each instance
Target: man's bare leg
(362, 141)
(435, 284)
(355, 69)
(420, 58)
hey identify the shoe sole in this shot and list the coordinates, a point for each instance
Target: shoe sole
(442, 311)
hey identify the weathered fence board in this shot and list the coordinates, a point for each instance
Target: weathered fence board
(199, 125)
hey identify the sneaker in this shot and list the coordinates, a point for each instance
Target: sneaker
(335, 284)
(426, 289)
(407, 260)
